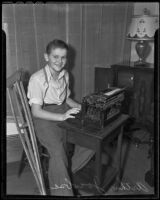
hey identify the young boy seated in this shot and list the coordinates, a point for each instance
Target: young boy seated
(49, 98)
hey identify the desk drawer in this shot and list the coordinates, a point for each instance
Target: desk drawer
(86, 141)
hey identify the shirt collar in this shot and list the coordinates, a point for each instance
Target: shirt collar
(49, 76)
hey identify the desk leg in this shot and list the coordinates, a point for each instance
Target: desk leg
(118, 154)
(98, 164)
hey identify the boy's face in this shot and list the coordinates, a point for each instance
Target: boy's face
(57, 59)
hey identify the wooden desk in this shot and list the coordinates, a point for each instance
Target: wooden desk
(92, 139)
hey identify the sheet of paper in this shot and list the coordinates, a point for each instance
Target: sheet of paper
(112, 92)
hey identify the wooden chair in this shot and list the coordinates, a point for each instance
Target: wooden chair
(32, 150)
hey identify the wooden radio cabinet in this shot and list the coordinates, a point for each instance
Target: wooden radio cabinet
(139, 83)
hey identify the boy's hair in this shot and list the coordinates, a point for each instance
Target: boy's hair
(56, 44)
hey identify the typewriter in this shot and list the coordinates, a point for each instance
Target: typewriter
(98, 109)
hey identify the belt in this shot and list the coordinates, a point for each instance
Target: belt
(48, 104)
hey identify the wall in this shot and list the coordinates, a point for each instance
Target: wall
(138, 9)
(95, 32)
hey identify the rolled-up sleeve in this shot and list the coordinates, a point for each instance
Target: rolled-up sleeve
(67, 82)
(35, 92)
(68, 91)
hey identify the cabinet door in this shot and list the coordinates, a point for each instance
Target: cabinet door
(143, 93)
(124, 77)
(103, 78)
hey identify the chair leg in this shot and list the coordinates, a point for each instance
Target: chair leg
(23, 163)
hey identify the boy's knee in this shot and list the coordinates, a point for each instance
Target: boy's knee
(57, 150)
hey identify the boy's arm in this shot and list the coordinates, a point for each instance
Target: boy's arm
(38, 112)
(72, 103)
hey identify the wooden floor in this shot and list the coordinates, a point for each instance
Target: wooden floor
(135, 165)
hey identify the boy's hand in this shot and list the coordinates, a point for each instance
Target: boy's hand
(69, 113)
(79, 106)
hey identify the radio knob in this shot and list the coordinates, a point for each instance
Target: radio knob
(131, 78)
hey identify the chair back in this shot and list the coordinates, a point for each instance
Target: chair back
(24, 123)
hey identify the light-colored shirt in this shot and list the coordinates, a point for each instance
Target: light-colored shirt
(53, 92)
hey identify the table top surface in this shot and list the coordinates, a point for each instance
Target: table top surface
(76, 126)
(147, 66)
